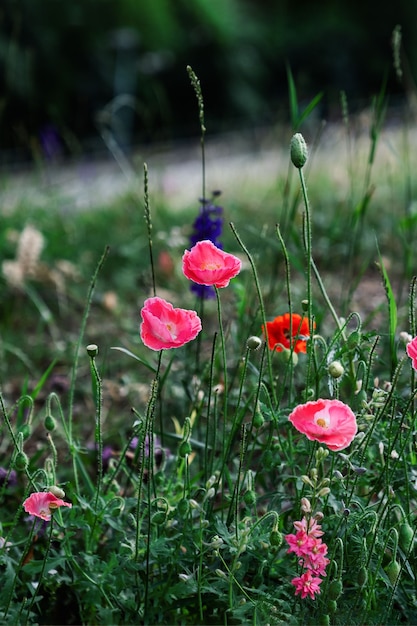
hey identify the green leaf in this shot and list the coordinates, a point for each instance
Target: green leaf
(134, 356)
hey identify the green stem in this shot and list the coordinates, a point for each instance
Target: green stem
(261, 304)
(37, 588)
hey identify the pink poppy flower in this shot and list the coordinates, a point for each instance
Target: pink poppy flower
(206, 264)
(42, 504)
(411, 349)
(307, 585)
(328, 421)
(164, 327)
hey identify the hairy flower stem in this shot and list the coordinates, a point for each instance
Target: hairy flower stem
(148, 220)
(261, 305)
(18, 569)
(13, 437)
(223, 349)
(200, 101)
(148, 463)
(98, 398)
(71, 444)
(42, 572)
(307, 237)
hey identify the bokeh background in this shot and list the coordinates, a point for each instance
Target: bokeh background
(70, 71)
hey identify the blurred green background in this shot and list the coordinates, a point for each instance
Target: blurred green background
(71, 70)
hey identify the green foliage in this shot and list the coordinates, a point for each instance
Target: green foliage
(184, 472)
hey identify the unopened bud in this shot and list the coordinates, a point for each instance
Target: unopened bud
(405, 536)
(49, 423)
(336, 369)
(250, 498)
(393, 570)
(363, 576)
(185, 449)
(57, 491)
(253, 343)
(21, 461)
(305, 505)
(298, 150)
(25, 430)
(335, 589)
(275, 538)
(159, 518)
(258, 419)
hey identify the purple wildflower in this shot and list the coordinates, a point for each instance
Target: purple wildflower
(207, 225)
(8, 477)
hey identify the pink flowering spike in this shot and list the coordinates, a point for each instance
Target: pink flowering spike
(311, 527)
(299, 543)
(42, 504)
(307, 585)
(315, 560)
(206, 264)
(164, 327)
(328, 421)
(411, 349)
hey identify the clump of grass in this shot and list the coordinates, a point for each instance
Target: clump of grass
(187, 468)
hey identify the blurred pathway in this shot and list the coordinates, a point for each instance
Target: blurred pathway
(233, 165)
(241, 166)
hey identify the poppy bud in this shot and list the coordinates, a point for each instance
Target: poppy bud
(275, 538)
(258, 420)
(392, 570)
(25, 430)
(332, 606)
(250, 498)
(363, 576)
(57, 491)
(335, 589)
(185, 448)
(159, 518)
(49, 423)
(183, 507)
(405, 536)
(253, 343)
(21, 461)
(336, 369)
(298, 150)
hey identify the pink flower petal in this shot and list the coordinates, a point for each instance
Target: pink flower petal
(206, 264)
(41, 504)
(164, 327)
(411, 349)
(328, 421)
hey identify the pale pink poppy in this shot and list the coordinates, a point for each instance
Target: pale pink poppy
(412, 352)
(42, 504)
(206, 264)
(328, 421)
(164, 327)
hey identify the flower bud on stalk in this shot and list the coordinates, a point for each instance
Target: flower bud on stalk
(336, 369)
(298, 150)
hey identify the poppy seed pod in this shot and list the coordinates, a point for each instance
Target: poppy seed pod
(298, 150)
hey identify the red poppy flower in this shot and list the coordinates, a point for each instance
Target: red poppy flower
(286, 328)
